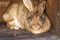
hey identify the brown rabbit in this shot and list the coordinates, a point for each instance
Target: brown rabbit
(19, 14)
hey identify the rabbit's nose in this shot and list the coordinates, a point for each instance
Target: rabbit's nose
(36, 27)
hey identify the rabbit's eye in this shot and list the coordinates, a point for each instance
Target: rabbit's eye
(29, 19)
(30, 14)
(42, 19)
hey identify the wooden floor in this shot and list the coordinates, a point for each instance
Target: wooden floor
(7, 34)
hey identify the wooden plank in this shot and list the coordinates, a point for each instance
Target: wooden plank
(53, 12)
(58, 17)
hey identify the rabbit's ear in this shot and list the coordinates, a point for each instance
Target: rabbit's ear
(28, 4)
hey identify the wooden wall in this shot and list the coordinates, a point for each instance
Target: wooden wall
(50, 9)
(53, 12)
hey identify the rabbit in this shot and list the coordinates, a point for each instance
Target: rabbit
(17, 16)
(34, 23)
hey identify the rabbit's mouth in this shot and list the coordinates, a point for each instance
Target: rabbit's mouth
(34, 31)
